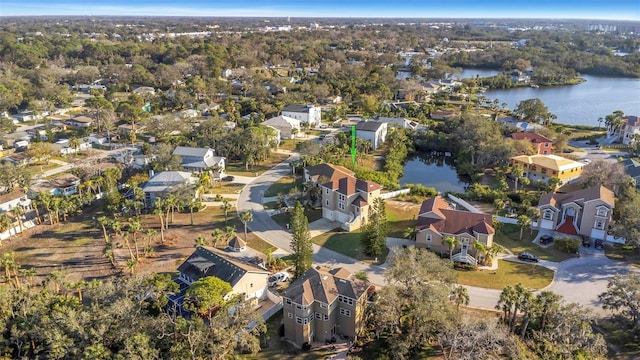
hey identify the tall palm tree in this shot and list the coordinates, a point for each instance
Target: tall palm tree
(451, 242)
(460, 296)
(217, 236)
(523, 221)
(246, 217)
(229, 233)
(225, 206)
(481, 249)
(158, 210)
(18, 211)
(134, 227)
(103, 222)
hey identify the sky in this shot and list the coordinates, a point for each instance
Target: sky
(551, 9)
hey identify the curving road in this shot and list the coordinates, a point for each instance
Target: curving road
(577, 280)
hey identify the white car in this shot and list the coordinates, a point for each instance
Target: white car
(586, 161)
(278, 278)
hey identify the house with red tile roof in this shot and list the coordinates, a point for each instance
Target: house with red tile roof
(542, 144)
(585, 212)
(346, 199)
(437, 221)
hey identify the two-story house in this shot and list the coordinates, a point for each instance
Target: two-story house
(244, 277)
(544, 167)
(287, 127)
(200, 159)
(327, 172)
(373, 131)
(437, 221)
(161, 184)
(542, 144)
(584, 212)
(630, 129)
(304, 113)
(347, 199)
(321, 304)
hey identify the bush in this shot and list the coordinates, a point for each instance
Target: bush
(421, 190)
(567, 245)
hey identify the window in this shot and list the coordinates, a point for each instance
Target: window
(318, 316)
(327, 202)
(299, 320)
(290, 315)
(326, 191)
(547, 215)
(543, 170)
(326, 318)
(345, 312)
(341, 197)
(298, 306)
(287, 301)
(429, 237)
(341, 205)
(602, 212)
(323, 306)
(599, 225)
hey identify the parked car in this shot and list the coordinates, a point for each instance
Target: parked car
(546, 239)
(586, 161)
(525, 256)
(228, 178)
(599, 244)
(322, 136)
(278, 278)
(586, 242)
(567, 151)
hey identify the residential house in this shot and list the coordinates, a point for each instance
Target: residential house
(544, 167)
(585, 212)
(373, 131)
(432, 87)
(321, 304)
(126, 129)
(164, 182)
(542, 144)
(245, 278)
(64, 148)
(400, 123)
(80, 122)
(630, 129)
(287, 127)
(304, 113)
(437, 221)
(518, 124)
(347, 200)
(63, 185)
(17, 159)
(632, 168)
(99, 139)
(13, 199)
(444, 114)
(144, 90)
(326, 172)
(200, 159)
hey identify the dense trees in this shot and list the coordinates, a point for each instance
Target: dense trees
(534, 111)
(623, 297)
(300, 241)
(374, 232)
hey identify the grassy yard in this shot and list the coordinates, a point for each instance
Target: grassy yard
(508, 273)
(509, 237)
(400, 217)
(288, 144)
(225, 188)
(284, 218)
(624, 253)
(347, 244)
(284, 185)
(273, 347)
(238, 168)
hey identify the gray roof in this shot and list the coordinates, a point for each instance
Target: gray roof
(211, 262)
(317, 284)
(369, 126)
(190, 151)
(282, 121)
(299, 108)
(164, 180)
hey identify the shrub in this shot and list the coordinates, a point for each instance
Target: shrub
(421, 190)
(567, 245)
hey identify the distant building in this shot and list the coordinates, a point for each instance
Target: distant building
(545, 167)
(288, 127)
(542, 144)
(164, 182)
(200, 159)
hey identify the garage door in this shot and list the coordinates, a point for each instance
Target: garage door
(597, 234)
(546, 224)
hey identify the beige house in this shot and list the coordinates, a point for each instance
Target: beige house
(327, 172)
(437, 220)
(322, 304)
(585, 212)
(346, 200)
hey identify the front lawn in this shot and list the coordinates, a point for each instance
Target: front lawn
(347, 243)
(508, 273)
(238, 168)
(284, 218)
(284, 185)
(624, 253)
(509, 237)
(225, 188)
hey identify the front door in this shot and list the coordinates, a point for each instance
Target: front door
(465, 247)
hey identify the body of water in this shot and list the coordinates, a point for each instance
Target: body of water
(435, 171)
(472, 73)
(580, 104)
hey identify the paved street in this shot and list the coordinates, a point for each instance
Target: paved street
(592, 153)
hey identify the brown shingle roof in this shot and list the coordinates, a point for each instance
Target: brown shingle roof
(329, 171)
(318, 284)
(455, 221)
(16, 194)
(349, 185)
(579, 197)
(533, 137)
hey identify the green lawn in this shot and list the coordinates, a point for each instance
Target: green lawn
(284, 185)
(399, 218)
(284, 218)
(238, 168)
(508, 273)
(623, 253)
(225, 188)
(288, 144)
(347, 244)
(509, 237)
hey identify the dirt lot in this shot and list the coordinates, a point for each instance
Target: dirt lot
(76, 247)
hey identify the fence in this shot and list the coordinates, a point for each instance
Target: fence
(506, 220)
(464, 204)
(15, 230)
(392, 194)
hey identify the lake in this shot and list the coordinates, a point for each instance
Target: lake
(435, 171)
(580, 104)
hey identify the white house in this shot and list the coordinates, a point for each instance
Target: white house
(373, 131)
(10, 201)
(288, 127)
(305, 113)
(163, 182)
(630, 129)
(200, 159)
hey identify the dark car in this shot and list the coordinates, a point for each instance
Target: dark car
(599, 244)
(586, 242)
(322, 136)
(567, 151)
(228, 178)
(546, 239)
(525, 256)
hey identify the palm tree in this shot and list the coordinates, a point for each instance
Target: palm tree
(493, 251)
(410, 233)
(103, 222)
(460, 295)
(200, 241)
(225, 206)
(134, 227)
(229, 233)
(107, 252)
(217, 236)
(74, 143)
(523, 220)
(5, 223)
(158, 210)
(131, 265)
(18, 211)
(481, 249)
(246, 217)
(452, 242)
